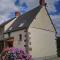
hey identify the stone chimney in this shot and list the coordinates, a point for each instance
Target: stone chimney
(17, 13)
(42, 2)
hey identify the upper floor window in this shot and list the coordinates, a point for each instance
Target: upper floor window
(20, 37)
(21, 24)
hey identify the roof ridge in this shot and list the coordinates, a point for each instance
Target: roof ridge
(30, 10)
(27, 18)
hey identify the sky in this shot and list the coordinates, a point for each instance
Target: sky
(8, 8)
(53, 7)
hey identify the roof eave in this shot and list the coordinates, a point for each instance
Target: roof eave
(10, 31)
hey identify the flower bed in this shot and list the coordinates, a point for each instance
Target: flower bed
(16, 54)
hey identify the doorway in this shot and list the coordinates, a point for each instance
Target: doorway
(9, 42)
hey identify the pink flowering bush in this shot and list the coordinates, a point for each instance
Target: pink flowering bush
(17, 54)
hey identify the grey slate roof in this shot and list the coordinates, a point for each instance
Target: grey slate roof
(24, 20)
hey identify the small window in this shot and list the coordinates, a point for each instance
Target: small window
(20, 37)
(21, 24)
(10, 28)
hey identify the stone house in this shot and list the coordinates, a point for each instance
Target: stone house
(34, 31)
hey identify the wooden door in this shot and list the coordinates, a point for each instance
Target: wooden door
(9, 42)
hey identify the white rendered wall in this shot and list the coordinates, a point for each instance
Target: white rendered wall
(43, 43)
(17, 43)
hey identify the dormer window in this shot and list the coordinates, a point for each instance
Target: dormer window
(10, 28)
(21, 24)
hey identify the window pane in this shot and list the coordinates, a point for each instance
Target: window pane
(20, 37)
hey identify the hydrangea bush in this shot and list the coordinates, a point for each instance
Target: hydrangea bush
(17, 54)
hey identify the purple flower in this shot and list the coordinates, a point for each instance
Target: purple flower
(19, 53)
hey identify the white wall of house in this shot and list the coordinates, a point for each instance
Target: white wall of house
(17, 43)
(42, 40)
(43, 43)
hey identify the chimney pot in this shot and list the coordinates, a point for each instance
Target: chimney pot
(17, 13)
(42, 2)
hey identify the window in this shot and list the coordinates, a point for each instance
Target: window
(21, 24)
(20, 37)
(10, 28)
